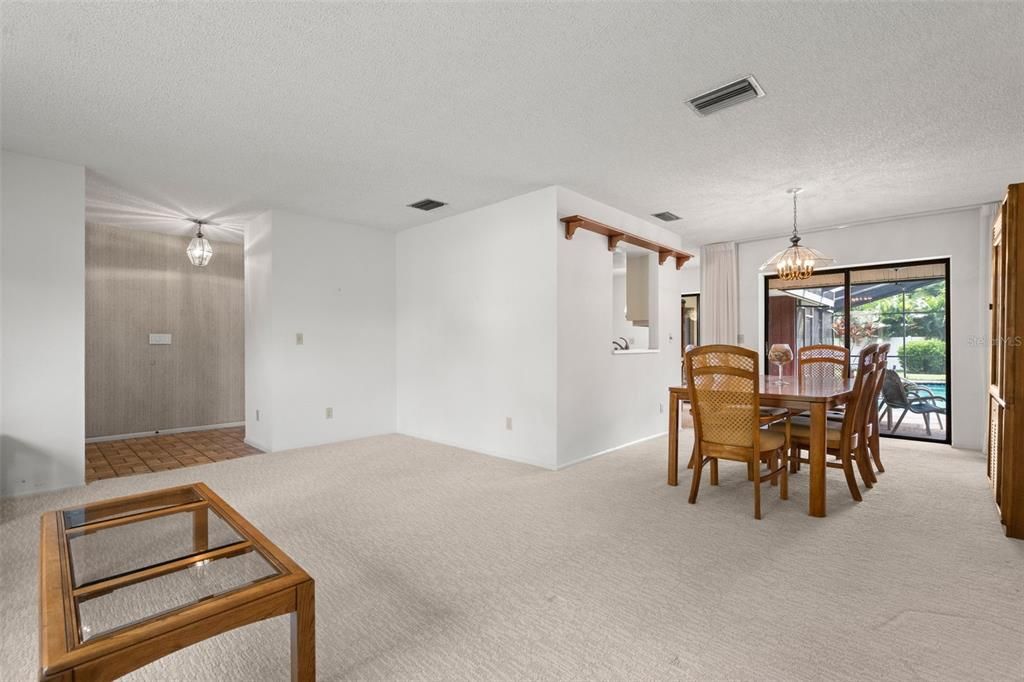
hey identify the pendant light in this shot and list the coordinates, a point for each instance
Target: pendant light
(795, 261)
(199, 250)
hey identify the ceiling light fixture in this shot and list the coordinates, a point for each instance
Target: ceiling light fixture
(795, 261)
(199, 251)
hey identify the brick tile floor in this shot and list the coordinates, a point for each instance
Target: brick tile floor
(115, 458)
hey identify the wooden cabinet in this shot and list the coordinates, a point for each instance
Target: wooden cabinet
(1006, 374)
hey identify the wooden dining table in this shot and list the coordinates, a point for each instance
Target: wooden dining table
(817, 396)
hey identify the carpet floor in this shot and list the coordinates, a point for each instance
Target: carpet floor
(438, 563)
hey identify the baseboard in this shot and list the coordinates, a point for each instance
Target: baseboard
(182, 429)
(605, 452)
(254, 444)
(469, 448)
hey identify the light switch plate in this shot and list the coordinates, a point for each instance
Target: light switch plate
(159, 339)
(298, 339)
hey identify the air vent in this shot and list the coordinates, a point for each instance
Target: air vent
(428, 204)
(742, 90)
(667, 216)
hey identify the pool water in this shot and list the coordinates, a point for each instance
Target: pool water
(938, 388)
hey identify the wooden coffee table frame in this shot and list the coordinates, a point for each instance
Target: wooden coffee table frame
(62, 656)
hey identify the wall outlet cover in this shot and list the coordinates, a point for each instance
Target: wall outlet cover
(298, 339)
(508, 423)
(159, 339)
(330, 413)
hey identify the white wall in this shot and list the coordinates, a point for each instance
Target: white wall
(43, 326)
(605, 400)
(961, 236)
(477, 329)
(258, 333)
(335, 284)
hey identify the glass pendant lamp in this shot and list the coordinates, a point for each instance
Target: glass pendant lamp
(199, 251)
(795, 261)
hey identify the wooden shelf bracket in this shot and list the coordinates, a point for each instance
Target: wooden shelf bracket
(617, 236)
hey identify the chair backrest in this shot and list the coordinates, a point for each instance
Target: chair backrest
(881, 363)
(820, 361)
(858, 410)
(893, 390)
(724, 395)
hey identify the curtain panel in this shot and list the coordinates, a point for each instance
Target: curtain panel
(719, 290)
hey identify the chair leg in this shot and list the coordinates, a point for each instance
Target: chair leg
(864, 465)
(888, 416)
(794, 460)
(875, 445)
(927, 424)
(698, 466)
(773, 464)
(784, 488)
(899, 421)
(714, 471)
(938, 418)
(850, 480)
(693, 457)
(757, 497)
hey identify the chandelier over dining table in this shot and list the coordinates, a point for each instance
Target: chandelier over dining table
(796, 262)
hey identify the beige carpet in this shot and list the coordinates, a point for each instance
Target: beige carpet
(436, 563)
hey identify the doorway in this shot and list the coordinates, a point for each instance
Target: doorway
(689, 333)
(903, 304)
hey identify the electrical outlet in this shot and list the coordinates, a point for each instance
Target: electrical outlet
(508, 423)
(330, 413)
(661, 408)
(257, 415)
(298, 339)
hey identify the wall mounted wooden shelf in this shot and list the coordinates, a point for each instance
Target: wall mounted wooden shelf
(617, 236)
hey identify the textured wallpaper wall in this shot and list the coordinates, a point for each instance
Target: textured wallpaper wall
(138, 283)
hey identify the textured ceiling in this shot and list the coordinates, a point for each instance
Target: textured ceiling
(351, 111)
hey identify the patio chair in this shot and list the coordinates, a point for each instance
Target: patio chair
(909, 397)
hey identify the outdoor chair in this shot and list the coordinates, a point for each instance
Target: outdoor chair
(898, 394)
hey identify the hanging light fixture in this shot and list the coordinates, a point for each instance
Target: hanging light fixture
(199, 250)
(795, 261)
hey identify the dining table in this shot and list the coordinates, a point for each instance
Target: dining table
(815, 395)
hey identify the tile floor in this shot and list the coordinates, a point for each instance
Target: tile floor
(115, 458)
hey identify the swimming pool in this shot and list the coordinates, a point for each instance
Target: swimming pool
(938, 388)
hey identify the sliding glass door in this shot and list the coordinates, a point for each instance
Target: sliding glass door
(903, 304)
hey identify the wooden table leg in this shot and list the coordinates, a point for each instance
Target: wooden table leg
(304, 634)
(816, 506)
(673, 439)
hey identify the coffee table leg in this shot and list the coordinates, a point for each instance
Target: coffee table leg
(304, 634)
(817, 459)
(673, 439)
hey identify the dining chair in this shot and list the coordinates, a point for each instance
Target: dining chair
(725, 399)
(874, 442)
(823, 360)
(845, 439)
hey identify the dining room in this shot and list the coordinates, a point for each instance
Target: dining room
(860, 359)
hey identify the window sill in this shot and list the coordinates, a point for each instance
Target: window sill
(640, 351)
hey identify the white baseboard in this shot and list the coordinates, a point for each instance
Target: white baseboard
(470, 448)
(254, 444)
(605, 452)
(182, 429)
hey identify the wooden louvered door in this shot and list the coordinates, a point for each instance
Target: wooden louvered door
(1006, 374)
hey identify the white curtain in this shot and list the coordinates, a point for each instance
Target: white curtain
(719, 293)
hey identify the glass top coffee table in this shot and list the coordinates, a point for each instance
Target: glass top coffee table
(126, 581)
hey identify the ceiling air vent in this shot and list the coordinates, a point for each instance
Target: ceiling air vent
(667, 216)
(733, 93)
(428, 204)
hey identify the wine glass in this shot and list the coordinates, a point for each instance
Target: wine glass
(780, 354)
